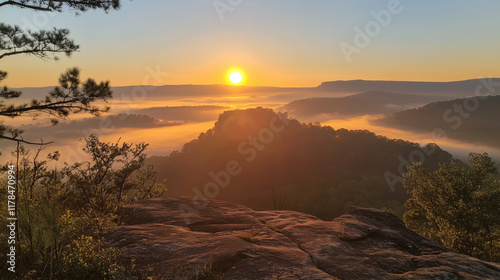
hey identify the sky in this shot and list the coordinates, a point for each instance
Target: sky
(274, 43)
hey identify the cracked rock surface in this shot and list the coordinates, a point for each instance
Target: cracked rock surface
(172, 239)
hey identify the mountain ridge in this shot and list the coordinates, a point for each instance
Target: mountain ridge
(463, 88)
(476, 122)
(352, 86)
(370, 102)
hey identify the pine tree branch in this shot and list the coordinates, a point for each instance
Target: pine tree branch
(56, 5)
(24, 141)
(50, 106)
(33, 52)
(22, 5)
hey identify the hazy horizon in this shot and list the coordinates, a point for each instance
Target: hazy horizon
(189, 111)
(277, 86)
(298, 44)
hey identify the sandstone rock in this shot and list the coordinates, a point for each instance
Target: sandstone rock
(236, 242)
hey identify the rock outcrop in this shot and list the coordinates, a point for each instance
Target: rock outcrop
(230, 241)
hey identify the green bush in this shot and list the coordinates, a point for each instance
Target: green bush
(457, 205)
(89, 258)
(61, 216)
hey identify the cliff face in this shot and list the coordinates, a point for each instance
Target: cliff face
(173, 239)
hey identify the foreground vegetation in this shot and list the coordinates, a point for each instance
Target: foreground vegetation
(457, 205)
(63, 212)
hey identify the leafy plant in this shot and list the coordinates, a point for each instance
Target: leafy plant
(88, 257)
(113, 177)
(457, 205)
(60, 234)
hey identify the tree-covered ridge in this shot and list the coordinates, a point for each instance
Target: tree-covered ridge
(473, 120)
(370, 102)
(305, 167)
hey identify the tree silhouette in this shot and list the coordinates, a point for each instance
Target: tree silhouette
(57, 6)
(71, 96)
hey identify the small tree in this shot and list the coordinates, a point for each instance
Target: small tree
(114, 176)
(457, 205)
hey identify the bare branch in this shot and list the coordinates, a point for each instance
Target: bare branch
(22, 5)
(57, 5)
(25, 142)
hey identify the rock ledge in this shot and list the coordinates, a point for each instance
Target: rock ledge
(241, 243)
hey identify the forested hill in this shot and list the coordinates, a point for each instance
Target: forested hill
(372, 102)
(273, 162)
(471, 120)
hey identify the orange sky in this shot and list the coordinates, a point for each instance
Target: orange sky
(297, 44)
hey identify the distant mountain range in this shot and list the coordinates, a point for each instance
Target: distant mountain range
(372, 102)
(456, 89)
(141, 92)
(469, 119)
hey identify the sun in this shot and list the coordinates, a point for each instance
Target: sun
(235, 77)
